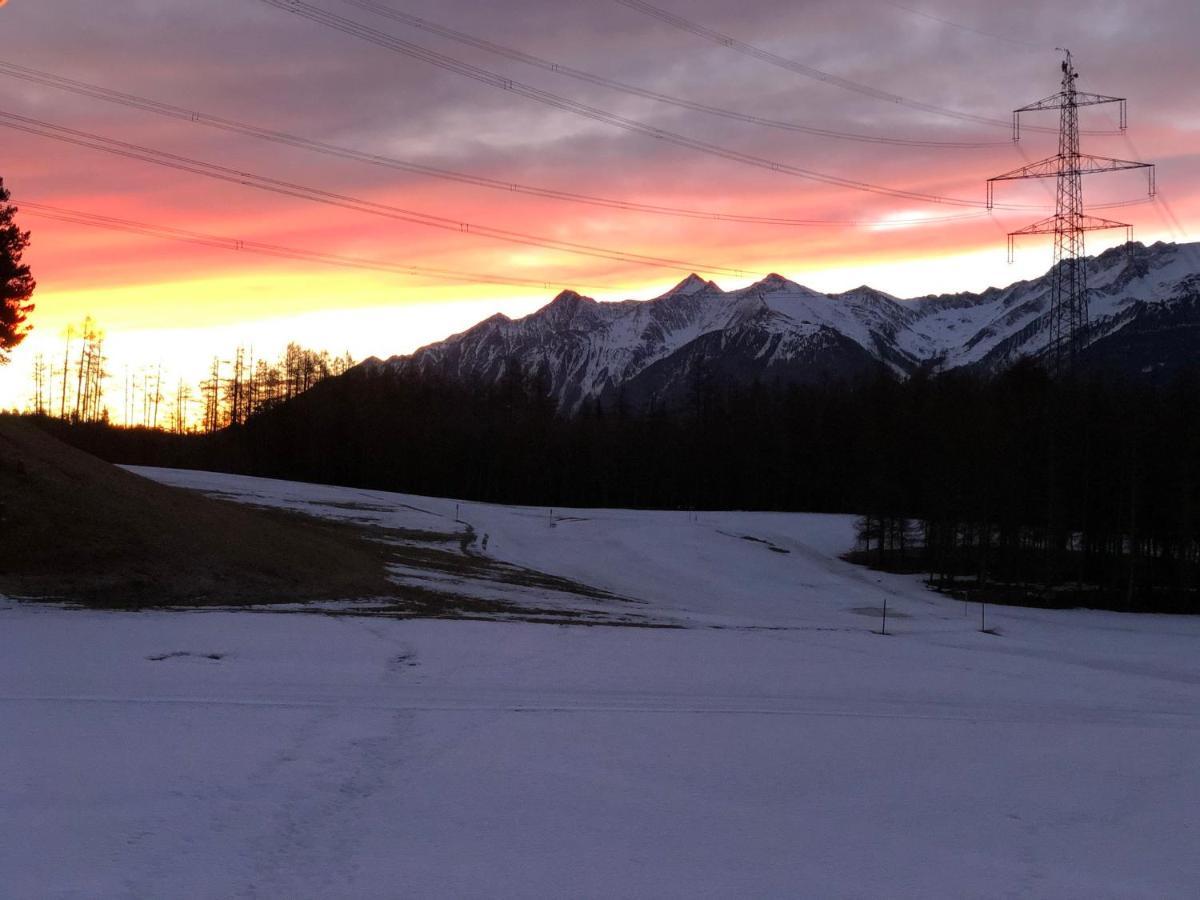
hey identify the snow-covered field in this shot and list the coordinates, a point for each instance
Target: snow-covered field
(770, 746)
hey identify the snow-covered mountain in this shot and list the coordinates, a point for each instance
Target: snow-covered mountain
(1144, 307)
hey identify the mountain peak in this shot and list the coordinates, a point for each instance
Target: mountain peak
(775, 282)
(863, 292)
(567, 303)
(498, 318)
(693, 284)
(568, 310)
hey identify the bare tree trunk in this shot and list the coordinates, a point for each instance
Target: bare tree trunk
(62, 414)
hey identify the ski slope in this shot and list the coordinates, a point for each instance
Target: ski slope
(769, 744)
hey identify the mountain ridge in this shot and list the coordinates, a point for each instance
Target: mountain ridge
(778, 329)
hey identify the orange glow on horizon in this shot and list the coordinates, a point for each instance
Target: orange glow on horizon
(180, 303)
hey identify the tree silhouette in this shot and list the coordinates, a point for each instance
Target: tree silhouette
(16, 281)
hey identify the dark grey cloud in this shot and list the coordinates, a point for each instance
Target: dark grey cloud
(244, 59)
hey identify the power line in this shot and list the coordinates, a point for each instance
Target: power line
(774, 59)
(389, 42)
(133, 101)
(166, 232)
(1016, 42)
(329, 198)
(1167, 213)
(580, 75)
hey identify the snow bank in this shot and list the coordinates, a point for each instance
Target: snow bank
(774, 747)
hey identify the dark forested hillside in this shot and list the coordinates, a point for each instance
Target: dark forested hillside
(1018, 478)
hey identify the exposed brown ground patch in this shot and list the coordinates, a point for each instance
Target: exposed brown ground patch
(75, 528)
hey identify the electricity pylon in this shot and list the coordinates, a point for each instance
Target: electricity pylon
(1068, 296)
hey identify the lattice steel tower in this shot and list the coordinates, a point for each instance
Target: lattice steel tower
(1068, 296)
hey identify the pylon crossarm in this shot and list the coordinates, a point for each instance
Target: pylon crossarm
(1089, 164)
(1045, 226)
(1061, 99)
(1083, 223)
(1053, 166)
(1057, 101)
(1083, 98)
(1049, 167)
(1054, 101)
(1054, 224)
(1095, 223)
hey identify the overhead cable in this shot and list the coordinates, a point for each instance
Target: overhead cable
(166, 232)
(529, 59)
(133, 101)
(330, 198)
(415, 51)
(774, 59)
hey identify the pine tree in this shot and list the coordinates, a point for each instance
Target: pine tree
(16, 282)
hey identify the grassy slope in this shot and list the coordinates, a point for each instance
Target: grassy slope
(74, 527)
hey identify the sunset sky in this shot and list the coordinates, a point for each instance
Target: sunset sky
(260, 66)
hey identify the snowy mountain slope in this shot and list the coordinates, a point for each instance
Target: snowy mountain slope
(778, 329)
(752, 351)
(996, 327)
(773, 746)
